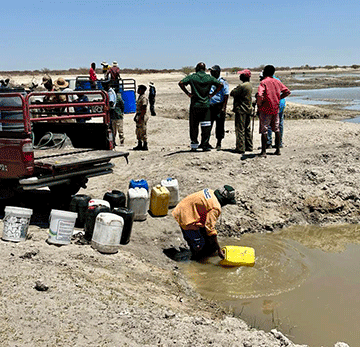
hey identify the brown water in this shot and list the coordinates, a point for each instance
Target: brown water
(305, 283)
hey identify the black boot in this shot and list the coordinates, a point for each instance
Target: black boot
(145, 147)
(139, 147)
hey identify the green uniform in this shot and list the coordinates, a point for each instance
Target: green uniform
(200, 83)
(242, 95)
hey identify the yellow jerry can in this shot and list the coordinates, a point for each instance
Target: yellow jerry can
(238, 256)
(159, 201)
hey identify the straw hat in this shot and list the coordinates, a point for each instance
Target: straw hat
(115, 63)
(61, 83)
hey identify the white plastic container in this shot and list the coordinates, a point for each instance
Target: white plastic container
(61, 226)
(107, 232)
(16, 223)
(173, 187)
(138, 201)
(95, 202)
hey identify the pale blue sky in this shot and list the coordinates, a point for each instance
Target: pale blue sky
(65, 34)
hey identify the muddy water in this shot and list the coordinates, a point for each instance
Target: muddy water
(305, 282)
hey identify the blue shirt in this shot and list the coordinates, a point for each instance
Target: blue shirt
(282, 103)
(219, 97)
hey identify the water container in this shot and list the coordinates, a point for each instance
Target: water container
(99, 202)
(159, 201)
(138, 201)
(107, 232)
(90, 219)
(14, 101)
(16, 223)
(61, 227)
(79, 204)
(238, 256)
(139, 184)
(128, 216)
(173, 186)
(129, 101)
(116, 198)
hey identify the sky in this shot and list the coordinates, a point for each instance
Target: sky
(37, 35)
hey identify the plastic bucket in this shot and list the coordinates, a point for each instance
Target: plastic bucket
(61, 226)
(107, 232)
(16, 223)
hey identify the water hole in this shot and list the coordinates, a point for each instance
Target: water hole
(305, 283)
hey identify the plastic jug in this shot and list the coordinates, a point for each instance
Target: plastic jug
(138, 201)
(173, 186)
(116, 198)
(79, 204)
(139, 184)
(107, 232)
(128, 216)
(90, 219)
(159, 201)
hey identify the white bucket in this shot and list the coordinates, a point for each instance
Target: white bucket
(107, 232)
(61, 227)
(173, 187)
(16, 223)
(138, 201)
(96, 202)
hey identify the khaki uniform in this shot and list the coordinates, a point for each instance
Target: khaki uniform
(141, 125)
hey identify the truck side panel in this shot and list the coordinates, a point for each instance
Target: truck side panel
(16, 158)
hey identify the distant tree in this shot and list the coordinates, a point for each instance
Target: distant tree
(354, 66)
(45, 70)
(187, 69)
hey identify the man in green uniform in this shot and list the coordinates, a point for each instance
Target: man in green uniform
(242, 95)
(200, 84)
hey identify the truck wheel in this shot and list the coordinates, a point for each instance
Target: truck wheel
(66, 190)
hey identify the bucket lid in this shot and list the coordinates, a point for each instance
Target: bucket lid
(18, 210)
(63, 213)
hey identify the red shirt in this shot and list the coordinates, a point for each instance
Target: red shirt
(270, 91)
(92, 73)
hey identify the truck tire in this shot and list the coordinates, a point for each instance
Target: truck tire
(7, 190)
(67, 190)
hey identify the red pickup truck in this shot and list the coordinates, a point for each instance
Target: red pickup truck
(55, 143)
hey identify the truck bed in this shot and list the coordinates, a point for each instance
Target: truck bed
(57, 160)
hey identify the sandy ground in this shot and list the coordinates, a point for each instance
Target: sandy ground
(138, 297)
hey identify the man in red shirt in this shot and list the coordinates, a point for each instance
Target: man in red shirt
(268, 96)
(93, 77)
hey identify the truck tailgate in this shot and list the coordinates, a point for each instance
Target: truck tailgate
(67, 159)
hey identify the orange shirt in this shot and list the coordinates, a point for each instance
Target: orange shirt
(198, 210)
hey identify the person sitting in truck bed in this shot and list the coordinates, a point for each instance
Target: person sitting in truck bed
(63, 86)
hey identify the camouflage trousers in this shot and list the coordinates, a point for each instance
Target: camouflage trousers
(141, 129)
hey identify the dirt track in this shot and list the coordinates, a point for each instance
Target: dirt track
(138, 297)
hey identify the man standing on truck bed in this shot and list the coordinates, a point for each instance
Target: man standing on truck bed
(114, 75)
